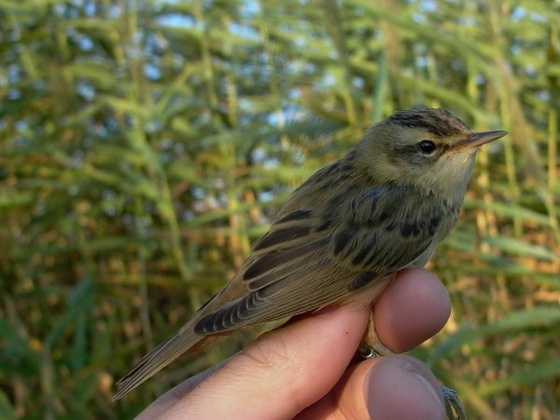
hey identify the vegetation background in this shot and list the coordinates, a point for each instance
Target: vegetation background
(145, 144)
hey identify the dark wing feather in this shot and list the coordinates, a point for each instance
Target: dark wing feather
(362, 236)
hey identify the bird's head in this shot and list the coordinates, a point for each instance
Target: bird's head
(428, 148)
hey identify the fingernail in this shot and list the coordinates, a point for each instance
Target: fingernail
(402, 387)
(419, 374)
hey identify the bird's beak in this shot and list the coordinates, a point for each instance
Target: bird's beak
(478, 139)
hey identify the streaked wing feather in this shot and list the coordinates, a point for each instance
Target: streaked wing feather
(320, 254)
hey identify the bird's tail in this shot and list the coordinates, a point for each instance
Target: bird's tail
(185, 340)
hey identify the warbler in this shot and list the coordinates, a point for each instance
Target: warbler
(344, 232)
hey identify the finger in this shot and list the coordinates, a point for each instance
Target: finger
(281, 373)
(402, 387)
(171, 397)
(392, 387)
(413, 308)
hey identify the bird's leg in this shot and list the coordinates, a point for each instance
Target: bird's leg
(372, 346)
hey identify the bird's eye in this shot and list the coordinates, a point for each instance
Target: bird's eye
(427, 147)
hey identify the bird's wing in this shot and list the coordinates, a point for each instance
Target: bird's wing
(310, 259)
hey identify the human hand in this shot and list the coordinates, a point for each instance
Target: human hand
(308, 368)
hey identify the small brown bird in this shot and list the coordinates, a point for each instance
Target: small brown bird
(344, 232)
